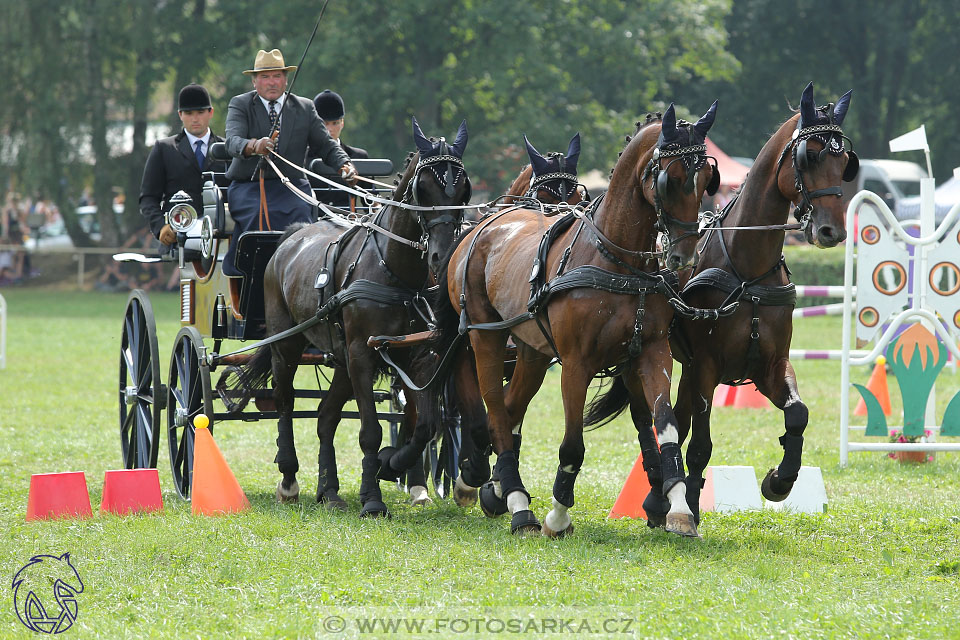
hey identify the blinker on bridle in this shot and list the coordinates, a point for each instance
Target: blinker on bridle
(693, 158)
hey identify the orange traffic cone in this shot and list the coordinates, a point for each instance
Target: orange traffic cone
(215, 489)
(749, 397)
(878, 387)
(724, 395)
(629, 503)
(58, 495)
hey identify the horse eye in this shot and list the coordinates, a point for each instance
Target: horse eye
(812, 156)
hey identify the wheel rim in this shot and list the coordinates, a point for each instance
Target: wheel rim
(188, 395)
(140, 391)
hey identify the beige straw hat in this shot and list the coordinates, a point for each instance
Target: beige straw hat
(269, 61)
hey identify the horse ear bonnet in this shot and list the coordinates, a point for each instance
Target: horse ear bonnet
(573, 154)
(537, 161)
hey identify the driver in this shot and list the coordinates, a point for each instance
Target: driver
(250, 118)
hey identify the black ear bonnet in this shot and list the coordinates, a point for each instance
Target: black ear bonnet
(433, 154)
(823, 124)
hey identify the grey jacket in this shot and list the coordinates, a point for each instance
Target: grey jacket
(300, 127)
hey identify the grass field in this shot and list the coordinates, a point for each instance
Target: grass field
(883, 562)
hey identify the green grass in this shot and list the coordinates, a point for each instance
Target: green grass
(883, 562)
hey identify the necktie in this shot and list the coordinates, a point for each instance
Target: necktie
(273, 114)
(200, 157)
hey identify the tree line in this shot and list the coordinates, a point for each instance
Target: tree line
(92, 75)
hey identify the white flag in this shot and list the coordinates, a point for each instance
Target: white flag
(915, 140)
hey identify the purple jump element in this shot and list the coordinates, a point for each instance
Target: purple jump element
(820, 310)
(821, 291)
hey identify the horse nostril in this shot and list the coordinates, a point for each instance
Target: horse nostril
(828, 235)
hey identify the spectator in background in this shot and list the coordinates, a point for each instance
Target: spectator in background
(13, 226)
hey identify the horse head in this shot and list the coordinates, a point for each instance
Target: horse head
(436, 177)
(553, 178)
(820, 161)
(674, 172)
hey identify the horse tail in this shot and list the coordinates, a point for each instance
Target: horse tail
(237, 384)
(606, 407)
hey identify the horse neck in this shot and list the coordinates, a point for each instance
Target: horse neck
(520, 185)
(401, 259)
(625, 216)
(760, 203)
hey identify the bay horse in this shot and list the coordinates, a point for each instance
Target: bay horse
(550, 180)
(741, 266)
(367, 280)
(596, 301)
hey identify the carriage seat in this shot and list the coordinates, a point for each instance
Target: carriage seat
(254, 250)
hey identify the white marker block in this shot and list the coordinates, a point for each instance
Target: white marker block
(730, 488)
(809, 494)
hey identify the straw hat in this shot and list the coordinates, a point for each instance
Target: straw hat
(269, 61)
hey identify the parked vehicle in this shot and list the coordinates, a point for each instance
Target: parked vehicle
(892, 180)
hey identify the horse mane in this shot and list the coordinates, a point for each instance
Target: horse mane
(403, 179)
(649, 119)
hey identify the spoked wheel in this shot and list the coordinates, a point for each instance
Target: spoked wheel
(398, 404)
(188, 395)
(142, 395)
(445, 465)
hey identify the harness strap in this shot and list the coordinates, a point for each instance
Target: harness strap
(264, 214)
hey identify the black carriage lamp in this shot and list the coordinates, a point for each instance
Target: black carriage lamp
(181, 214)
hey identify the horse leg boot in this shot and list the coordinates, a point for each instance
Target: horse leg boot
(493, 501)
(778, 483)
(782, 380)
(370, 496)
(655, 505)
(696, 421)
(651, 379)
(474, 440)
(517, 499)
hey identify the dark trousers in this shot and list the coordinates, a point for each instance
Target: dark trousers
(283, 206)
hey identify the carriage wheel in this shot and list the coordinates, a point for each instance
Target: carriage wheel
(445, 466)
(397, 405)
(188, 395)
(142, 395)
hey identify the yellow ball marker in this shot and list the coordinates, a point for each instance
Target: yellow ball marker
(201, 422)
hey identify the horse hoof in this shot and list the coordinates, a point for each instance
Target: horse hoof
(493, 506)
(419, 497)
(463, 494)
(766, 487)
(332, 501)
(524, 523)
(682, 524)
(286, 496)
(550, 533)
(374, 509)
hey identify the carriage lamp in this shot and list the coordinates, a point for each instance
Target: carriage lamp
(181, 213)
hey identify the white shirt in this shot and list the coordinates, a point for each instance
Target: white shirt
(193, 142)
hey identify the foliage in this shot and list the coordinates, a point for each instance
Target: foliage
(90, 71)
(809, 265)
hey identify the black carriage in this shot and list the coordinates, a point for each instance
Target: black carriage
(214, 308)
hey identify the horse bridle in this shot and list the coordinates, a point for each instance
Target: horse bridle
(693, 158)
(828, 135)
(447, 182)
